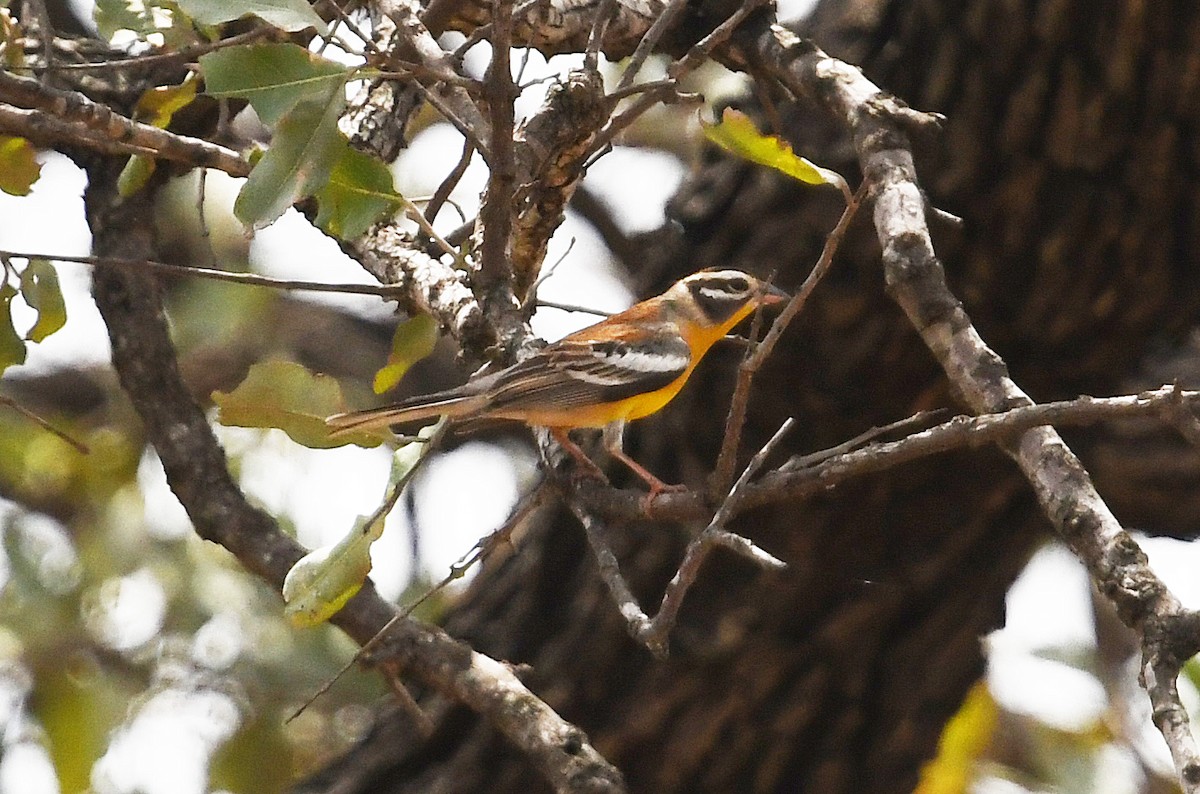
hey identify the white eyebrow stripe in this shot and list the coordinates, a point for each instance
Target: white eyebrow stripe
(721, 294)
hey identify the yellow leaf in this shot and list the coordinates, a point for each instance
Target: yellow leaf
(323, 580)
(736, 133)
(414, 340)
(19, 167)
(964, 739)
(158, 105)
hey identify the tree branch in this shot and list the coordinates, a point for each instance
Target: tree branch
(66, 118)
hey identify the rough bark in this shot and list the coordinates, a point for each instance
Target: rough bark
(1068, 152)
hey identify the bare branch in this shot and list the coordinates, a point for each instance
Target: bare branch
(247, 279)
(655, 635)
(662, 24)
(552, 150)
(425, 50)
(110, 133)
(442, 194)
(806, 475)
(754, 359)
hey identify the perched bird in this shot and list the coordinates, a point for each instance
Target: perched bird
(624, 367)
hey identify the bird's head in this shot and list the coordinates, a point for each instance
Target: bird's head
(721, 298)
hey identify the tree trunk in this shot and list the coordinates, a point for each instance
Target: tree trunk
(1068, 151)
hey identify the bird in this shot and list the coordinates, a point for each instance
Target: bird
(622, 368)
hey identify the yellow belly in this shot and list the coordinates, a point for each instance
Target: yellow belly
(603, 413)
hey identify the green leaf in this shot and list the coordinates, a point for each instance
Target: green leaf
(39, 288)
(273, 77)
(736, 133)
(322, 581)
(359, 193)
(289, 15)
(111, 16)
(12, 348)
(414, 339)
(135, 175)
(302, 154)
(19, 167)
(285, 395)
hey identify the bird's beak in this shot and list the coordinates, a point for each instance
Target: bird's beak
(773, 295)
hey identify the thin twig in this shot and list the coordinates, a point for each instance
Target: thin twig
(649, 41)
(484, 32)
(604, 14)
(248, 279)
(482, 549)
(353, 27)
(468, 131)
(450, 182)
(79, 446)
(652, 632)
(799, 477)
(394, 492)
(637, 621)
(919, 418)
(698, 549)
(726, 460)
(183, 55)
(414, 213)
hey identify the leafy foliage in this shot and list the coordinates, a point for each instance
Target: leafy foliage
(274, 78)
(112, 16)
(303, 152)
(300, 95)
(12, 348)
(19, 168)
(285, 395)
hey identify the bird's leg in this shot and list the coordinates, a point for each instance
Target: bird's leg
(589, 467)
(614, 435)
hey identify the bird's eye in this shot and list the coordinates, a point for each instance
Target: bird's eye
(739, 284)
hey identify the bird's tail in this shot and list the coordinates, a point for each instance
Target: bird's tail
(452, 403)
